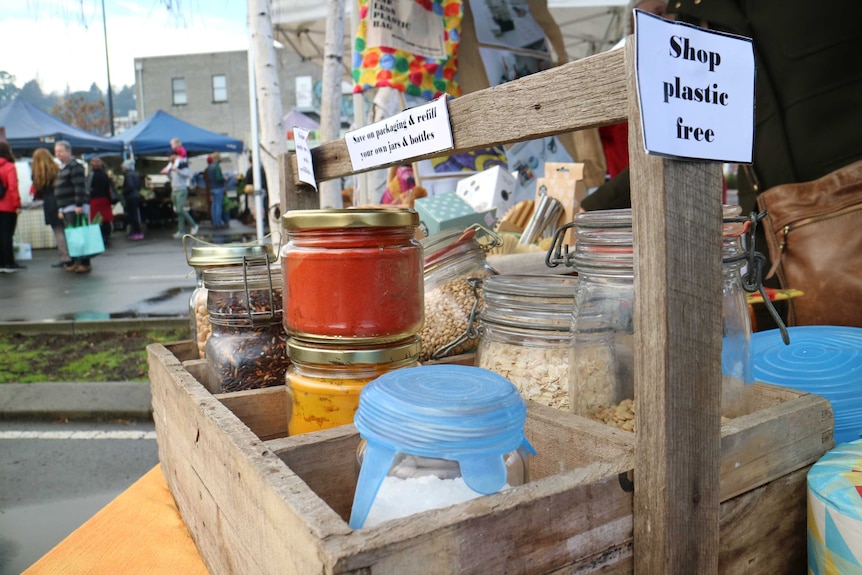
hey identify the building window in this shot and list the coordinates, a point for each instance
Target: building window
(178, 90)
(219, 88)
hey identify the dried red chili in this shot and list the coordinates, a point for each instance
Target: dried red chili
(354, 274)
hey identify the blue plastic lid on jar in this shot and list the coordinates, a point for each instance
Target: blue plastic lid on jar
(460, 413)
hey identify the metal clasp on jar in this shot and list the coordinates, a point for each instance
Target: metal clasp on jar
(472, 332)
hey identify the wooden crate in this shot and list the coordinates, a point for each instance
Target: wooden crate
(257, 501)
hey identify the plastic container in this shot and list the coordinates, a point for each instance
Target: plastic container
(434, 436)
(208, 256)
(525, 332)
(821, 359)
(323, 383)
(248, 346)
(451, 258)
(352, 274)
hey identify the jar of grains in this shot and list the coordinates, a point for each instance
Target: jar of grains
(451, 258)
(248, 346)
(525, 332)
(352, 274)
(323, 382)
(433, 436)
(206, 256)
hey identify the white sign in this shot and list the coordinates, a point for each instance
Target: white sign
(415, 132)
(304, 164)
(696, 91)
(304, 92)
(405, 26)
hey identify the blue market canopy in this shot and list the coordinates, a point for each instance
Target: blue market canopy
(28, 128)
(153, 137)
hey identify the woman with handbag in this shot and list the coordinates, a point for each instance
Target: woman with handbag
(102, 194)
(72, 200)
(45, 170)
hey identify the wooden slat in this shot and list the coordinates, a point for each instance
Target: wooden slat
(677, 232)
(264, 411)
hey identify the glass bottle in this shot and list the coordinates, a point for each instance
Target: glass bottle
(352, 274)
(248, 346)
(525, 333)
(436, 435)
(451, 257)
(207, 256)
(324, 381)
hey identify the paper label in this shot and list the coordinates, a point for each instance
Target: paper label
(415, 132)
(304, 164)
(695, 90)
(405, 26)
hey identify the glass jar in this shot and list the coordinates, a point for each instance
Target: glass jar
(207, 256)
(436, 435)
(451, 257)
(323, 383)
(352, 274)
(525, 330)
(248, 346)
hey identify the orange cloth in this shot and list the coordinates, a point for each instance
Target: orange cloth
(139, 532)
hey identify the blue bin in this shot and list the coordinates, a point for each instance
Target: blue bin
(821, 359)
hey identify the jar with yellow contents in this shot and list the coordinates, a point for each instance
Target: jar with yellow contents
(324, 381)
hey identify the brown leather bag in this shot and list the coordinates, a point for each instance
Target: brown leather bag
(814, 234)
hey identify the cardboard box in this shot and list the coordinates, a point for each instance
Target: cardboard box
(492, 188)
(444, 211)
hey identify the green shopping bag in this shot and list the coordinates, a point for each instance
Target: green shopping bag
(84, 238)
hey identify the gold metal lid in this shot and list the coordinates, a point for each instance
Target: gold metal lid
(346, 355)
(349, 218)
(230, 254)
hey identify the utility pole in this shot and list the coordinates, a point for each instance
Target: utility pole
(108, 65)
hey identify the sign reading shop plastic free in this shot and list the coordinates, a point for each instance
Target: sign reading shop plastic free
(414, 132)
(696, 91)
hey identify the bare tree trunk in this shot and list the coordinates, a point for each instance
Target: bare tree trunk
(330, 113)
(273, 142)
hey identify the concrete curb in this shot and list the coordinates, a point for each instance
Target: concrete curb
(90, 326)
(78, 401)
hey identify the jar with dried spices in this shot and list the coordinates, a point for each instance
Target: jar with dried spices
(248, 345)
(352, 274)
(324, 381)
(525, 333)
(452, 257)
(201, 256)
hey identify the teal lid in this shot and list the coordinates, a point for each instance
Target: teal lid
(465, 414)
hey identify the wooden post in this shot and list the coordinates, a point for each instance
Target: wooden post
(676, 212)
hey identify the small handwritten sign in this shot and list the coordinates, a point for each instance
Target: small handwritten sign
(696, 91)
(415, 132)
(303, 156)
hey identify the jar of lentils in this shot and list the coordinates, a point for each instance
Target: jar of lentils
(207, 256)
(248, 345)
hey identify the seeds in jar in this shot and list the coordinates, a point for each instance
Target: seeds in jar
(622, 415)
(447, 317)
(202, 321)
(540, 374)
(592, 376)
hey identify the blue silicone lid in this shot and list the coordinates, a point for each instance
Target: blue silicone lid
(821, 359)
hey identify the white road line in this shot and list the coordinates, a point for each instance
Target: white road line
(77, 434)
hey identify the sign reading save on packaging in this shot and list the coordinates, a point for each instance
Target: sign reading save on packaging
(409, 134)
(696, 91)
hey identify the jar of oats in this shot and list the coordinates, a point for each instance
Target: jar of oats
(201, 256)
(452, 302)
(248, 345)
(525, 333)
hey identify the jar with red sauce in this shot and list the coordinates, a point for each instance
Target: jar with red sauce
(352, 274)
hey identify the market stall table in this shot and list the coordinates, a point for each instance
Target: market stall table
(141, 531)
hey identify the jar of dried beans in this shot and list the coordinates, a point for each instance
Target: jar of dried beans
(352, 274)
(324, 382)
(525, 333)
(436, 435)
(248, 346)
(201, 256)
(452, 258)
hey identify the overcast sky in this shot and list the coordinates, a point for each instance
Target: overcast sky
(61, 42)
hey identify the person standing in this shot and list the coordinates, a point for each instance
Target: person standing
(132, 199)
(10, 207)
(71, 194)
(216, 181)
(179, 172)
(45, 171)
(100, 188)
